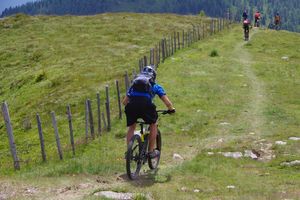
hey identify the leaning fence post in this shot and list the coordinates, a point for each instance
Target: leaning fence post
(56, 135)
(107, 109)
(145, 61)
(91, 120)
(183, 39)
(119, 99)
(99, 114)
(10, 134)
(41, 136)
(178, 40)
(71, 129)
(86, 121)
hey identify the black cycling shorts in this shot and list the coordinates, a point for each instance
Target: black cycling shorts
(140, 109)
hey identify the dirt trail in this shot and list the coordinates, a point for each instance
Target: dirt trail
(254, 115)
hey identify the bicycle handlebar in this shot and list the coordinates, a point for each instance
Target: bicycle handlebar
(164, 112)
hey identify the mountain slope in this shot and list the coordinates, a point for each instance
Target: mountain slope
(289, 10)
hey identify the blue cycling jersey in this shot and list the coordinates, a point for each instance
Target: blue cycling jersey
(156, 89)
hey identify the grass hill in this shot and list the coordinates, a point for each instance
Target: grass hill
(49, 62)
(246, 98)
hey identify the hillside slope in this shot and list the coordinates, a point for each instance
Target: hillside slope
(289, 10)
(244, 99)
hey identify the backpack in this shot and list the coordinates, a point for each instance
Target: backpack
(277, 18)
(141, 84)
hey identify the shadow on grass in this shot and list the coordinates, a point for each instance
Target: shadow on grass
(147, 178)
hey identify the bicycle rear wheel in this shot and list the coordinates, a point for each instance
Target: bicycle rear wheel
(153, 162)
(133, 160)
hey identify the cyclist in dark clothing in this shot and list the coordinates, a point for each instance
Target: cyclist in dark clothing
(140, 105)
(277, 19)
(245, 15)
(246, 26)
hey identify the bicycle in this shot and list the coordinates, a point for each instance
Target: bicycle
(246, 34)
(137, 151)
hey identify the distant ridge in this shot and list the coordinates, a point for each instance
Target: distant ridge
(289, 10)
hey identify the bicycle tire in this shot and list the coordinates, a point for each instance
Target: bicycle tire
(153, 162)
(133, 160)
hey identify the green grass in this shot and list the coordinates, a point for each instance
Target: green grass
(49, 62)
(253, 92)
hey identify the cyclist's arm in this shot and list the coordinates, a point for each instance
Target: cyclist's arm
(167, 102)
(125, 100)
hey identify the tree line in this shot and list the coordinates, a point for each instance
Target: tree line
(289, 10)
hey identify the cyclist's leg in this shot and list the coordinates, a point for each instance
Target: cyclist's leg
(152, 137)
(131, 117)
(130, 132)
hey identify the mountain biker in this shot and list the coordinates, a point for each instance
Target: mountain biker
(245, 15)
(246, 26)
(257, 18)
(140, 105)
(277, 19)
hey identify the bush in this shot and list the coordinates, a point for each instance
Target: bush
(214, 53)
(41, 76)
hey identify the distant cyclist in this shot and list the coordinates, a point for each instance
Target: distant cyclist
(138, 104)
(277, 19)
(246, 27)
(245, 15)
(257, 17)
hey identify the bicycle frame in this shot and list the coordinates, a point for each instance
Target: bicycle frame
(144, 134)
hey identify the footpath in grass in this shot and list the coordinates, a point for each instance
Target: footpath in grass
(244, 96)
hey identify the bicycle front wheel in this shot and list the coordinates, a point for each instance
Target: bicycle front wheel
(133, 159)
(153, 162)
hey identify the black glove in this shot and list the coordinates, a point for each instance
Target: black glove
(171, 111)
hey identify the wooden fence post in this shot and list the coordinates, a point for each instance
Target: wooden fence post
(119, 99)
(56, 135)
(172, 45)
(159, 51)
(168, 47)
(178, 40)
(145, 61)
(183, 39)
(41, 136)
(86, 120)
(71, 129)
(91, 119)
(163, 50)
(107, 104)
(10, 134)
(99, 114)
(175, 45)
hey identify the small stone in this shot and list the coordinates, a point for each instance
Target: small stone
(210, 153)
(233, 154)
(115, 195)
(250, 154)
(286, 58)
(251, 133)
(230, 187)
(196, 191)
(294, 138)
(220, 140)
(280, 142)
(224, 123)
(184, 189)
(177, 157)
(292, 163)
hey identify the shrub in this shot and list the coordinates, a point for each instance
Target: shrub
(214, 53)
